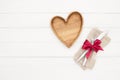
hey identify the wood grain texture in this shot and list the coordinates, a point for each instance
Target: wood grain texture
(68, 30)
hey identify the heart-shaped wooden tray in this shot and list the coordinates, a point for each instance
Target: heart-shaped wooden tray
(69, 30)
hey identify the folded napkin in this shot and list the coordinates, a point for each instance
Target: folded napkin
(91, 60)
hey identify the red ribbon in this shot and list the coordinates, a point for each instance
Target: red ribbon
(90, 47)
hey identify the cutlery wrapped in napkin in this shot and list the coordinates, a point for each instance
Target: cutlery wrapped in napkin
(95, 42)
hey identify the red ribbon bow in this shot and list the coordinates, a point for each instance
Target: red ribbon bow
(88, 46)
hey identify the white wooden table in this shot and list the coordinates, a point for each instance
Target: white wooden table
(29, 50)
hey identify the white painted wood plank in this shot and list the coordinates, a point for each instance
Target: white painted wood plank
(46, 34)
(57, 69)
(50, 49)
(59, 6)
(43, 42)
(43, 20)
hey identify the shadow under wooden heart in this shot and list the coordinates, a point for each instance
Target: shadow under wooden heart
(69, 30)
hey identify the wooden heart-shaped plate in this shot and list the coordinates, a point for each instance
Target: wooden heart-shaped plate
(69, 30)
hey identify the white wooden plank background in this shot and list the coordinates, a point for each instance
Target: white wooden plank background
(29, 50)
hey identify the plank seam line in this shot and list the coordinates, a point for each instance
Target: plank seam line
(53, 57)
(58, 12)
